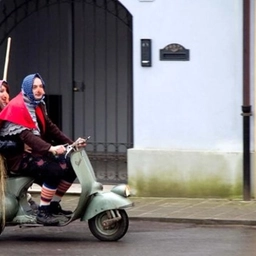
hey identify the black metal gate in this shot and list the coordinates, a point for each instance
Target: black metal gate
(83, 50)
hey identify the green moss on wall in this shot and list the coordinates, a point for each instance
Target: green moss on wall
(164, 186)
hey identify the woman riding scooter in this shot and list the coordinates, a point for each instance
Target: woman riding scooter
(25, 120)
(6, 144)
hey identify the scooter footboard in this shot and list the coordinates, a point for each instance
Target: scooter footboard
(104, 201)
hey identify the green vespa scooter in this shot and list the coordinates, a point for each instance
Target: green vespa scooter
(104, 211)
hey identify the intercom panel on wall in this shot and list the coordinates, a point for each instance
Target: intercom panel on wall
(146, 46)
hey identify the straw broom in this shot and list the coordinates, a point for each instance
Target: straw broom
(2, 160)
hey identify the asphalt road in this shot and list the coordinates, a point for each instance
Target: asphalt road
(143, 238)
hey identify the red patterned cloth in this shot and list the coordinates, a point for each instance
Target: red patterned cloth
(16, 112)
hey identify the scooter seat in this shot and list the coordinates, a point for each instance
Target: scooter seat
(13, 174)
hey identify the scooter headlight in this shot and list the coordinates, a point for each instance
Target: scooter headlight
(122, 190)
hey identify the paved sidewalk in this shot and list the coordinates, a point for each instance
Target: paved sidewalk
(182, 210)
(200, 211)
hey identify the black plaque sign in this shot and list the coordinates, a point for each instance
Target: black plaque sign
(174, 52)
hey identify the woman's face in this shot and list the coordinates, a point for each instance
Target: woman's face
(38, 89)
(4, 96)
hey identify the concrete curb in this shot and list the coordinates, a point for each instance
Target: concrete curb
(197, 221)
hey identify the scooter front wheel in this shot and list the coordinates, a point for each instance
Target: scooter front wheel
(107, 227)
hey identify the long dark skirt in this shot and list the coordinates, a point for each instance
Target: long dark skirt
(48, 169)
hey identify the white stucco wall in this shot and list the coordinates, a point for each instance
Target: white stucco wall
(192, 104)
(188, 106)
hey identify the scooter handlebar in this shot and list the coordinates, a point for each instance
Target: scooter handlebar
(79, 143)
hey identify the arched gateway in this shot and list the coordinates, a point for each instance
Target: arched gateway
(83, 50)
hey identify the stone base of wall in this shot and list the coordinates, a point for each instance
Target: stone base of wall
(165, 173)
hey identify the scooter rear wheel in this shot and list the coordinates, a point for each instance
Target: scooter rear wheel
(113, 232)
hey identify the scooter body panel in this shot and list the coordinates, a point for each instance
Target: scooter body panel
(103, 201)
(11, 207)
(16, 185)
(16, 197)
(85, 174)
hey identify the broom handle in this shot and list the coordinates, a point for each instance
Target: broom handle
(7, 58)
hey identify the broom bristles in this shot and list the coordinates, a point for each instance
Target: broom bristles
(2, 190)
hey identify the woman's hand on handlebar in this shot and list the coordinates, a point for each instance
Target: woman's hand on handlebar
(57, 150)
(80, 142)
(61, 149)
(27, 149)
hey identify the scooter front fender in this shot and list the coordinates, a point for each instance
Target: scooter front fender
(104, 201)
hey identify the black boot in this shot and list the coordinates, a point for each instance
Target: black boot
(45, 217)
(56, 209)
